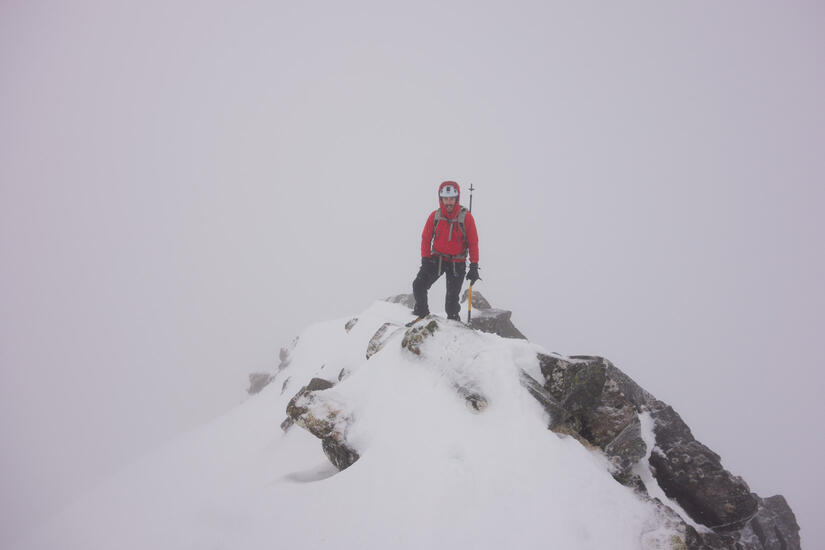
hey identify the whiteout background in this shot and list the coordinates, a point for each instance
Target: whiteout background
(184, 186)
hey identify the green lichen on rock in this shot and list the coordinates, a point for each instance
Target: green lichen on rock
(415, 336)
(676, 543)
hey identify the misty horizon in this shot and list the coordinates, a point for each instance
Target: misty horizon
(185, 187)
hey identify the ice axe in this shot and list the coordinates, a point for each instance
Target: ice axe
(470, 303)
(470, 295)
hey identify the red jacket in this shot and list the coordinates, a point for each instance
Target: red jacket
(443, 242)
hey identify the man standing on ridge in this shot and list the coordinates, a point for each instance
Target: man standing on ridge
(449, 234)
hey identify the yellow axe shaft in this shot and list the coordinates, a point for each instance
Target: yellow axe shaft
(470, 304)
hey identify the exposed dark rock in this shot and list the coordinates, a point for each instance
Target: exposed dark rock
(553, 369)
(558, 415)
(341, 455)
(773, 527)
(479, 301)
(495, 321)
(692, 475)
(403, 299)
(486, 318)
(285, 384)
(708, 541)
(603, 405)
(351, 323)
(588, 398)
(258, 381)
(674, 534)
(583, 387)
(319, 384)
(626, 449)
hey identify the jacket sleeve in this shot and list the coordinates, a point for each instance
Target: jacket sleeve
(427, 236)
(472, 237)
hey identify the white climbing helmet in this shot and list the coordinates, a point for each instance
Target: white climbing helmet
(448, 190)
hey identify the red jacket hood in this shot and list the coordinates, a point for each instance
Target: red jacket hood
(457, 207)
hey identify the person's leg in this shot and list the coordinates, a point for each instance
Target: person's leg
(427, 275)
(455, 278)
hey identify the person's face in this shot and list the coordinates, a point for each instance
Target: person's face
(449, 203)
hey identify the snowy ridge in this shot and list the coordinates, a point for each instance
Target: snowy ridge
(432, 473)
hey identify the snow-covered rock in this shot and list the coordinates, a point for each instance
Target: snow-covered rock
(434, 436)
(486, 318)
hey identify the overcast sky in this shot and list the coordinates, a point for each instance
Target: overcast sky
(185, 186)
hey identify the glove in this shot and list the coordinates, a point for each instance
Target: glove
(472, 274)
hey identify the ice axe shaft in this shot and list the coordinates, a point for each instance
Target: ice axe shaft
(470, 304)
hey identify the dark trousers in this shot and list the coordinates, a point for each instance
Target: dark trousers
(429, 274)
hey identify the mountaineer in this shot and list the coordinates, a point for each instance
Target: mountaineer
(448, 236)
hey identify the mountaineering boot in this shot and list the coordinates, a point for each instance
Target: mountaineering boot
(414, 321)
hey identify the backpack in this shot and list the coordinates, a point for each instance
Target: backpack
(452, 221)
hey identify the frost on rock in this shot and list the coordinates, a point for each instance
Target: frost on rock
(617, 469)
(692, 475)
(351, 323)
(640, 440)
(414, 337)
(459, 374)
(321, 414)
(773, 526)
(602, 405)
(379, 338)
(489, 319)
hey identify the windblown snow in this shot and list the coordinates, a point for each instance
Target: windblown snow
(432, 473)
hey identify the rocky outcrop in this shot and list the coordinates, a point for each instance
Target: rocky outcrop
(489, 319)
(415, 336)
(327, 420)
(379, 338)
(556, 413)
(601, 402)
(773, 526)
(592, 399)
(484, 317)
(403, 299)
(626, 449)
(692, 475)
(480, 303)
(496, 321)
(258, 381)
